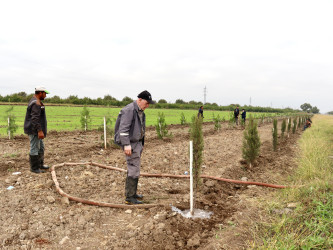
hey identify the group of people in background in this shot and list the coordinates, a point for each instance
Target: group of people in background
(236, 114)
(243, 114)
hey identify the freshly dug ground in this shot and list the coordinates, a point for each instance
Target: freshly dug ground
(35, 216)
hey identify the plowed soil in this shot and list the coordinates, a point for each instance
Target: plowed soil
(35, 216)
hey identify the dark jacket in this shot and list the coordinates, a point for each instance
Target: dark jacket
(129, 128)
(35, 118)
(200, 113)
(244, 114)
(236, 112)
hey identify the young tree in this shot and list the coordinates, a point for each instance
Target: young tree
(196, 136)
(11, 119)
(295, 125)
(161, 126)
(262, 117)
(217, 122)
(109, 130)
(283, 127)
(275, 134)
(85, 118)
(231, 119)
(182, 119)
(251, 142)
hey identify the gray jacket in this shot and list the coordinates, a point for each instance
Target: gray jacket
(35, 118)
(129, 127)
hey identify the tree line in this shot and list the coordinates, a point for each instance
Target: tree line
(307, 107)
(108, 100)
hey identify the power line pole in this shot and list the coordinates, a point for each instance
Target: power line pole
(205, 93)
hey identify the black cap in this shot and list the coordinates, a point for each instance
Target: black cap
(146, 96)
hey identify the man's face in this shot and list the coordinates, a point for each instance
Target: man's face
(42, 95)
(143, 104)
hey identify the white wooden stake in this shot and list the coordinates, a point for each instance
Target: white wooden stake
(191, 178)
(104, 132)
(8, 127)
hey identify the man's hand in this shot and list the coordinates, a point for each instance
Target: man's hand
(128, 150)
(41, 134)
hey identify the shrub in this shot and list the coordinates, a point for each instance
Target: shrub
(251, 142)
(109, 130)
(12, 126)
(262, 117)
(182, 119)
(85, 118)
(196, 136)
(295, 125)
(217, 122)
(161, 126)
(231, 119)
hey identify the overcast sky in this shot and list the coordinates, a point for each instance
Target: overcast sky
(272, 53)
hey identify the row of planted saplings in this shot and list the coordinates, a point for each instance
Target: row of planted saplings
(162, 130)
(251, 140)
(287, 126)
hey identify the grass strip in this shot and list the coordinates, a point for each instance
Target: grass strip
(310, 224)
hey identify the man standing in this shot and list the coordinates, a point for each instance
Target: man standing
(129, 134)
(236, 114)
(200, 112)
(243, 116)
(35, 125)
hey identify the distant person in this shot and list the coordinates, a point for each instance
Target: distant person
(243, 116)
(200, 112)
(308, 123)
(236, 114)
(35, 126)
(130, 134)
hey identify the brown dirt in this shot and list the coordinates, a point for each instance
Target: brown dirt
(34, 215)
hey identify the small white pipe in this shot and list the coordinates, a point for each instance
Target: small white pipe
(9, 127)
(191, 178)
(104, 132)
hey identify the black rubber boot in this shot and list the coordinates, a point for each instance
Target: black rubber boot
(130, 188)
(41, 161)
(34, 164)
(137, 196)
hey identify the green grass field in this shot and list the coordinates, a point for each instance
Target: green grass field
(67, 118)
(310, 226)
